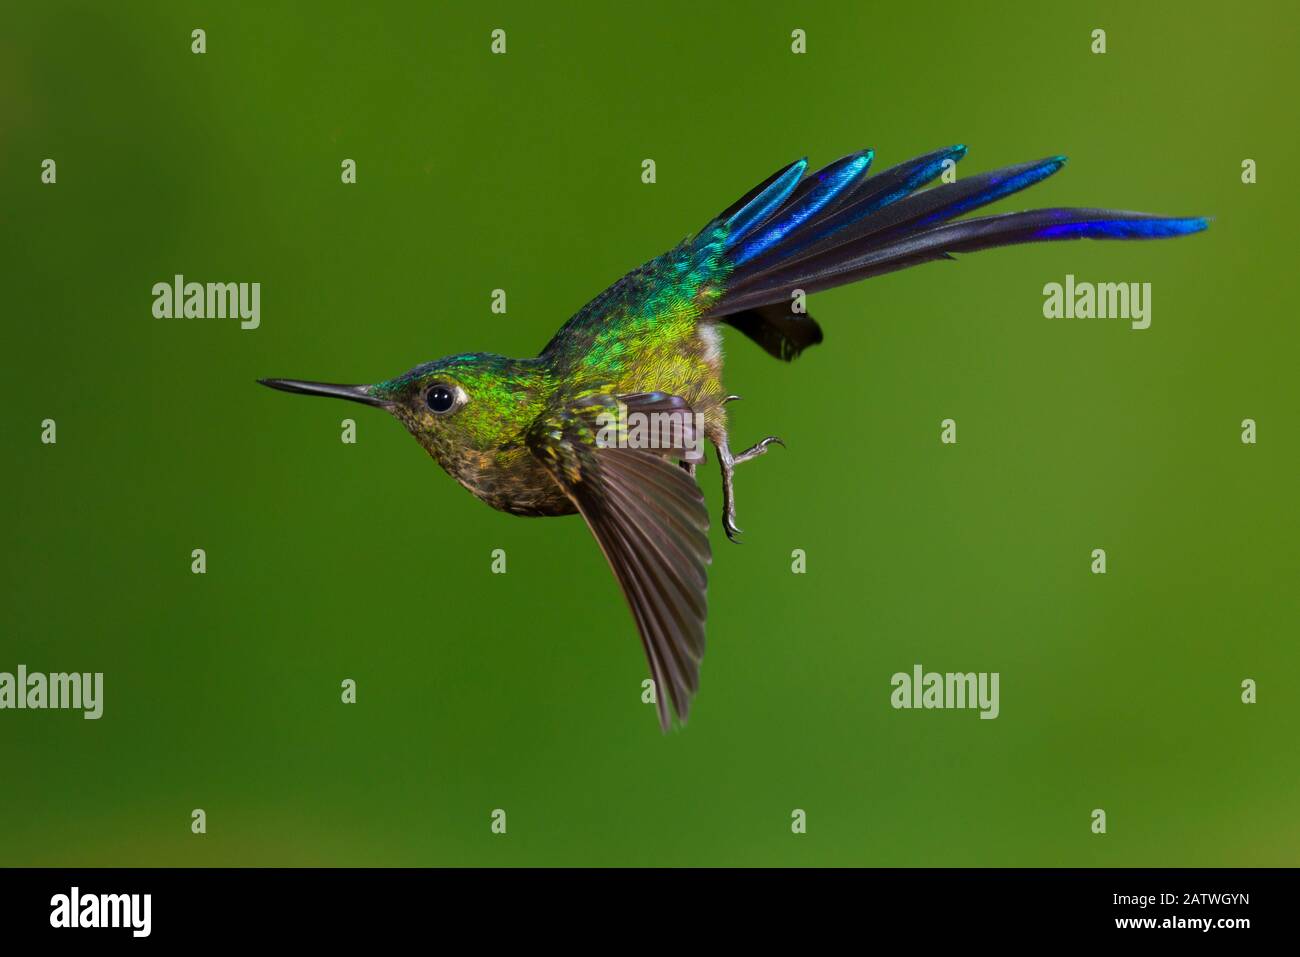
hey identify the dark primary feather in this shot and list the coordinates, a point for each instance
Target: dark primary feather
(900, 217)
(987, 232)
(913, 211)
(650, 520)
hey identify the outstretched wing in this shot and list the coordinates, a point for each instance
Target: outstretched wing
(649, 518)
(835, 226)
(840, 225)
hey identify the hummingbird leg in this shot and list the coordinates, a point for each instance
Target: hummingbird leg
(728, 462)
(689, 467)
(728, 465)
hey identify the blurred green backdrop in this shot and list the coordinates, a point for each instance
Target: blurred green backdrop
(478, 691)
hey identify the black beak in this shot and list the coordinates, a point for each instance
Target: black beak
(353, 393)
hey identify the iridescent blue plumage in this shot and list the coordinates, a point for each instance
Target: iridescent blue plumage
(863, 197)
(830, 183)
(841, 225)
(905, 178)
(998, 184)
(1142, 228)
(756, 211)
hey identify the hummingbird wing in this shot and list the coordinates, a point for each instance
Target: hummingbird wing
(835, 226)
(840, 225)
(650, 520)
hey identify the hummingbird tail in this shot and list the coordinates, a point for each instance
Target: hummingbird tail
(840, 225)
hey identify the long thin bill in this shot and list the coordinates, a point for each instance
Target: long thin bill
(353, 393)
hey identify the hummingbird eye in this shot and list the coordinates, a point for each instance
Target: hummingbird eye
(440, 399)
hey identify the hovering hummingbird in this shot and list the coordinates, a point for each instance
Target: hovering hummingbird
(525, 435)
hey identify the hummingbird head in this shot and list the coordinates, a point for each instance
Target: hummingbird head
(465, 410)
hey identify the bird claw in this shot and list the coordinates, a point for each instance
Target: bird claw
(758, 449)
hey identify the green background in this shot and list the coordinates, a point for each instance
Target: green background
(522, 691)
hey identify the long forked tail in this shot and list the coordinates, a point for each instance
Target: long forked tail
(840, 225)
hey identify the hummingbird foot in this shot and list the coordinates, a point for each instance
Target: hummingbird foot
(728, 462)
(758, 449)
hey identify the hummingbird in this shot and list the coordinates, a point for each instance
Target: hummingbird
(548, 435)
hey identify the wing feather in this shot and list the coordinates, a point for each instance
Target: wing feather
(651, 523)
